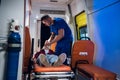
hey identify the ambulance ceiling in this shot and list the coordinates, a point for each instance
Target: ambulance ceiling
(50, 4)
(52, 1)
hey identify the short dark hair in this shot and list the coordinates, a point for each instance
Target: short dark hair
(44, 17)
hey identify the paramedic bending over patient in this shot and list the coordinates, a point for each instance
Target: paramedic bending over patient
(60, 33)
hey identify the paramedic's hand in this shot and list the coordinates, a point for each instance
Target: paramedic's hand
(47, 43)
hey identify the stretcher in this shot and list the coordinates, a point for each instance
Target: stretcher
(52, 72)
(36, 72)
(82, 63)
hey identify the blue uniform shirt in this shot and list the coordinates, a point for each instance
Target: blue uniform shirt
(63, 45)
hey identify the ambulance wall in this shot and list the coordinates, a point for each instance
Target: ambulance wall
(10, 9)
(104, 19)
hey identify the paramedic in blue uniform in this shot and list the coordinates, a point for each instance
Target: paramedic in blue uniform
(60, 33)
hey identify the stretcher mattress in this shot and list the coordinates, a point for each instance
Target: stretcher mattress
(62, 68)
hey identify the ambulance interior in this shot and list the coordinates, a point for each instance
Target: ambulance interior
(75, 13)
(95, 52)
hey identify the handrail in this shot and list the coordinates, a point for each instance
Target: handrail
(3, 43)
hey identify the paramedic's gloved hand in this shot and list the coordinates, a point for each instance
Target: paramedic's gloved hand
(47, 43)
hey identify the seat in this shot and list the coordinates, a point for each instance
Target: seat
(82, 63)
(82, 51)
(96, 73)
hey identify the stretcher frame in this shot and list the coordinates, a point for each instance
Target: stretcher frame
(58, 75)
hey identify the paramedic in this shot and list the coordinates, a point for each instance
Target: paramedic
(60, 33)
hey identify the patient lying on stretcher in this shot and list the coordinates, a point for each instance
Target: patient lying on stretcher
(46, 57)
